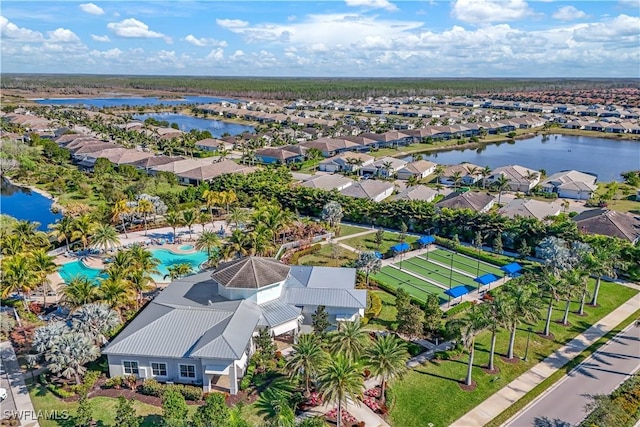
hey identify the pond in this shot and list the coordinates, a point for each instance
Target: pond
(24, 204)
(131, 101)
(186, 123)
(604, 157)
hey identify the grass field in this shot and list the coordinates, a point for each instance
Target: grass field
(442, 275)
(464, 263)
(324, 257)
(431, 394)
(413, 285)
(348, 230)
(368, 242)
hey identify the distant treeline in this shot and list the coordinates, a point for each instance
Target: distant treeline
(306, 88)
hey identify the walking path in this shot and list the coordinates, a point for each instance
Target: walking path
(516, 389)
(17, 391)
(361, 412)
(601, 373)
(428, 355)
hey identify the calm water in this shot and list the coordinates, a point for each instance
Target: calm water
(22, 203)
(133, 102)
(606, 158)
(186, 123)
(167, 259)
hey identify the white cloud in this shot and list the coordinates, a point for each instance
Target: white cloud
(373, 4)
(629, 3)
(237, 54)
(63, 35)
(107, 54)
(483, 11)
(132, 28)
(202, 42)
(621, 29)
(231, 23)
(568, 13)
(10, 30)
(102, 39)
(91, 9)
(215, 55)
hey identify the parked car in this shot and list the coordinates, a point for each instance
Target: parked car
(3, 394)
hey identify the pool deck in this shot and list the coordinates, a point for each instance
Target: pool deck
(97, 260)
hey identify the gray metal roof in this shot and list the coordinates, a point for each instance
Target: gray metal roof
(277, 312)
(351, 298)
(251, 273)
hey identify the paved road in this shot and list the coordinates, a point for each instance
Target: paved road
(563, 405)
(9, 404)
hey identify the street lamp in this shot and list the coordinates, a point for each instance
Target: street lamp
(526, 348)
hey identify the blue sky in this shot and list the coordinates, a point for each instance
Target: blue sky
(349, 38)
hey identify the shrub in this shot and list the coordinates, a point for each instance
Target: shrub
(151, 387)
(302, 252)
(192, 393)
(245, 383)
(390, 397)
(374, 306)
(59, 391)
(463, 306)
(115, 382)
(472, 252)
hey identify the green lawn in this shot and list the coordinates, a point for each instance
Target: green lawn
(368, 242)
(348, 230)
(464, 263)
(443, 275)
(413, 285)
(387, 316)
(104, 408)
(431, 394)
(323, 257)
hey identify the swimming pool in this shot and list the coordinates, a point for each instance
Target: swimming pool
(166, 258)
(186, 247)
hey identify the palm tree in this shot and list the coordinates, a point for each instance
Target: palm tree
(469, 326)
(340, 379)
(237, 216)
(457, 177)
(522, 306)
(143, 266)
(387, 358)
(439, 173)
(211, 199)
(203, 219)
(62, 230)
(79, 291)
(485, 172)
(307, 358)
(18, 276)
(178, 270)
(574, 282)
(43, 265)
(70, 353)
(115, 290)
(174, 221)
(105, 237)
(386, 167)
(188, 219)
(118, 213)
(95, 321)
(501, 184)
(496, 316)
(83, 227)
(550, 285)
(207, 241)
(29, 235)
(350, 339)
(601, 262)
(144, 208)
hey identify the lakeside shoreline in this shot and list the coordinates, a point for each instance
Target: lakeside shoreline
(44, 193)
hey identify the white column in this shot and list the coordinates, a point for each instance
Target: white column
(233, 379)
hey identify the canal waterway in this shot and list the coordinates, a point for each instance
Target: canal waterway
(605, 157)
(186, 123)
(24, 204)
(131, 101)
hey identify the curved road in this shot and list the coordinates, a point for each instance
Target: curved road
(563, 405)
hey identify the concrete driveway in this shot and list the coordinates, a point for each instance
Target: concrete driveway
(563, 405)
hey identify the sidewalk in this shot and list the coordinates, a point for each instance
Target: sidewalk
(17, 388)
(502, 399)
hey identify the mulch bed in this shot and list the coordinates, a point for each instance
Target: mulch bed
(465, 387)
(564, 325)
(493, 371)
(546, 337)
(512, 361)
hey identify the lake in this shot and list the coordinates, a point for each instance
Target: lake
(604, 157)
(131, 101)
(186, 123)
(22, 203)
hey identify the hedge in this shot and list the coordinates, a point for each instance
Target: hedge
(374, 306)
(59, 391)
(619, 409)
(494, 259)
(463, 306)
(302, 252)
(151, 387)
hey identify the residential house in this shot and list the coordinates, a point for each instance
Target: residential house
(474, 200)
(467, 173)
(520, 178)
(529, 208)
(213, 145)
(281, 155)
(148, 163)
(609, 223)
(370, 189)
(201, 329)
(208, 172)
(330, 146)
(571, 184)
(346, 162)
(181, 165)
(417, 192)
(419, 169)
(385, 167)
(328, 182)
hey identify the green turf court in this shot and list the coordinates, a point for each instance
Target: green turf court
(437, 273)
(413, 285)
(464, 263)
